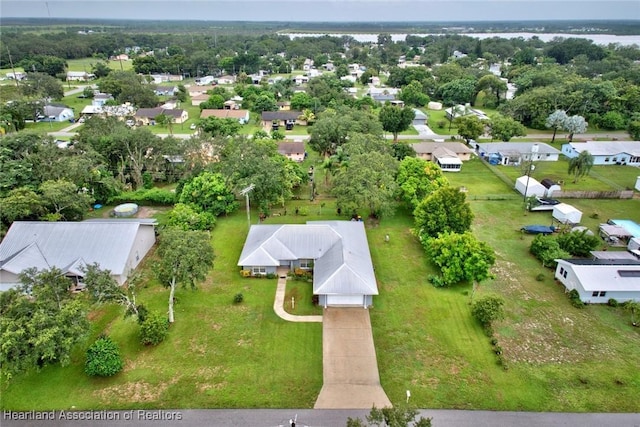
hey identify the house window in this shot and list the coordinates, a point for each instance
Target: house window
(602, 293)
(561, 271)
(595, 293)
(615, 159)
(606, 159)
(564, 274)
(306, 263)
(259, 270)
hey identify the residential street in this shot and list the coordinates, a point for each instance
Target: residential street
(315, 418)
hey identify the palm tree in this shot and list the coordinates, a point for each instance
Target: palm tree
(307, 116)
(632, 307)
(581, 165)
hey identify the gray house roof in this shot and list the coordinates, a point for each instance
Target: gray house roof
(68, 245)
(516, 147)
(605, 275)
(607, 148)
(342, 262)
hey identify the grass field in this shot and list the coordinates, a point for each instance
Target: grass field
(225, 355)
(86, 64)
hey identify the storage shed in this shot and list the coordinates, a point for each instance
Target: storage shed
(551, 186)
(531, 186)
(566, 214)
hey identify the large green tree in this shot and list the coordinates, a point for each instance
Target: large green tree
(368, 182)
(444, 210)
(396, 119)
(461, 257)
(64, 201)
(40, 322)
(209, 192)
(185, 259)
(504, 128)
(469, 126)
(417, 179)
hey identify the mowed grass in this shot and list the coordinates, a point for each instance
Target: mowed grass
(225, 355)
(86, 64)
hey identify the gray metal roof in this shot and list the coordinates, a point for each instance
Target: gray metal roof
(605, 275)
(516, 147)
(607, 148)
(68, 245)
(430, 147)
(342, 262)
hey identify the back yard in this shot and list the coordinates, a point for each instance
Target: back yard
(221, 355)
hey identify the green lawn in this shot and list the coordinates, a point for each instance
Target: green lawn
(223, 355)
(86, 64)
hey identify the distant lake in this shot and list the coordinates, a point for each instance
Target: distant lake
(601, 39)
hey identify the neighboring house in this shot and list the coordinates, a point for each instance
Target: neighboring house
(165, 90)
(116, 245)
(163, 78)
(272, 120)
(204, 80)
(226, 80)
(425, 150)
(508, 153)
(147, 116)
(464, 110)
(18, 75)
(199, 99)
(199, 90)
(292, 150)
(598, 280)
(300, 80)
(121, 57)
(81, 76)
(284, 106)
(336, 251)
(383, 94)
(231, 105)
(99, 99)
(242, 116)
(308, 63)
(606, 152)
(56, 113)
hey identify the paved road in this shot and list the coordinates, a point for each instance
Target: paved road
(321, 418)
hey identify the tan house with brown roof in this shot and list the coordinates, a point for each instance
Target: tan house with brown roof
(147, 116)
(199, 99)
(292, 150)
(241, 116)
(199, 90)
(448, 155)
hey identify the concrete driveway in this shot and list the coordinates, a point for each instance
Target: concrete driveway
(350, 368)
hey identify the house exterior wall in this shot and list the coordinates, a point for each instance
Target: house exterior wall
(568, 278)
(8, 280)
(323, 301)
(260, 270)
(144, 241)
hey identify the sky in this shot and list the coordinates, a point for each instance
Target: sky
(326, 10)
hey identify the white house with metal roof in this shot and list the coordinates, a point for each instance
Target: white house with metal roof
(598, 280)
(116, 245)
(508, 153)
(606, 152)
(337, 251)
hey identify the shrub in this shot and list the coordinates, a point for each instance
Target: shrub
(578, 243)
(271, 276)
(303, 211)
(540, 277)
(154, 329)
(547, 250)
(315, 299)
(153, 196)
(103, 358)
(238, 298)
(189, 217)
(574, 297)
(494, 341)
(437, 281)
(245, 273)
(613, 302)
(488, 309)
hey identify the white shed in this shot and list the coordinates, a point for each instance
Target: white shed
(531, 186)
(638, 184)
(566, 214)
(434, 105)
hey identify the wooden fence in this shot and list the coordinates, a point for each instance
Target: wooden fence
(615, 194)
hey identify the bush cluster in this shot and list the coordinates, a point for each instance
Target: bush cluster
(547, 250)
(153, 196)
(574, 297)
(103, 358)
(154, 329)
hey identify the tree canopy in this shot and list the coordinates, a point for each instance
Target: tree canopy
(442, 211)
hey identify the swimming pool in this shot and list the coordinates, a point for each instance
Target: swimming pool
(628, 225)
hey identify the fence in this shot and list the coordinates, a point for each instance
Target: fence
(624, 194)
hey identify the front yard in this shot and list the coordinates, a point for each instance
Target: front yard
(225, 355)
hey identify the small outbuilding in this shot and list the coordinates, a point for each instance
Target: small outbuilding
(551, 186)
(566, 214)
(434, 105)
(528, 186)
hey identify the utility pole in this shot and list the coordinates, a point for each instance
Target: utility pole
(15, 77)
(245, 192)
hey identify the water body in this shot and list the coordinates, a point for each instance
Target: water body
(601, 39)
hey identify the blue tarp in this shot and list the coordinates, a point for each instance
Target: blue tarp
(538, 229)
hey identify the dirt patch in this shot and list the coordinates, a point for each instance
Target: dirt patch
(146, 212)
(131, 392)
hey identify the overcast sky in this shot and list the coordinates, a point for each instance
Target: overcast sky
(325, 10)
